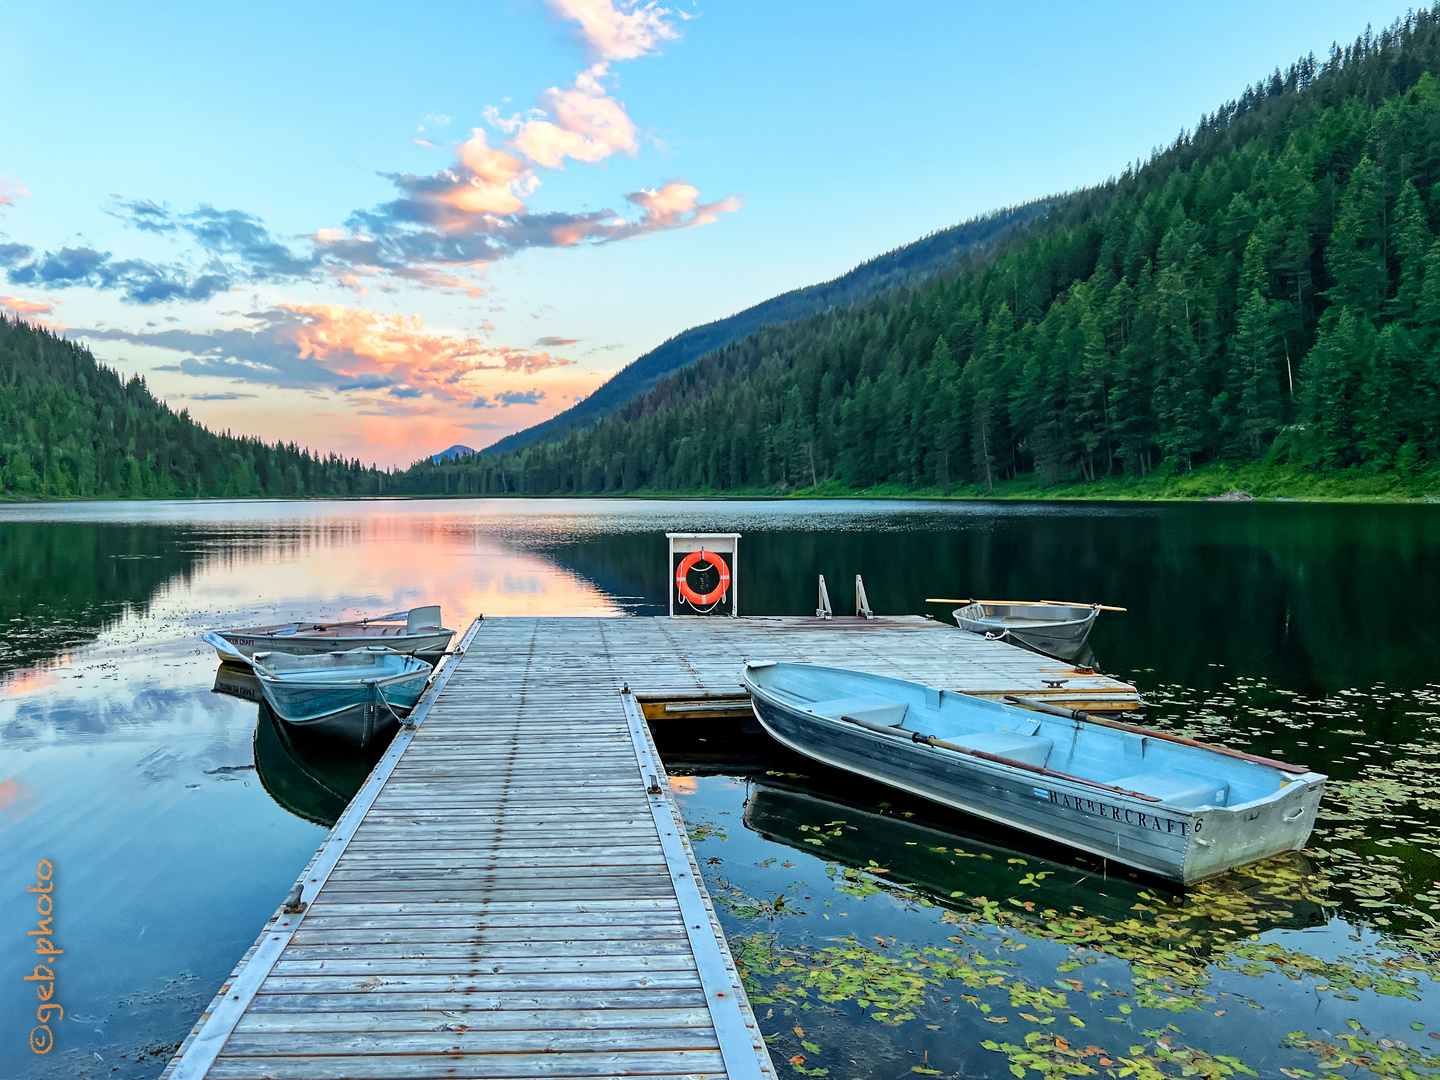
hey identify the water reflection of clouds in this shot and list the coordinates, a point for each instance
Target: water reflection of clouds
(328, 569)
(17, 799)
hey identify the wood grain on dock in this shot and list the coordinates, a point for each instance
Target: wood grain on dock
(512, 895)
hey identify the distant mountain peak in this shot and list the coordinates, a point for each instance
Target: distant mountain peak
(449, 454)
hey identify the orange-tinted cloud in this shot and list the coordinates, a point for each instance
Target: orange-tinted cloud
(677, 206)
(491, 182)
(356, 342)
(25, 307)
(618, 31)
(342, 349)
(588, 124)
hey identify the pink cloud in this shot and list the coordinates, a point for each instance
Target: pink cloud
(676, 206)
(588, 124)
(25, 307)
(357, 342)
(618, 31)
(491, 181)
(10, 190)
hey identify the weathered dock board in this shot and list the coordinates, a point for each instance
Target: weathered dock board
(511, 894)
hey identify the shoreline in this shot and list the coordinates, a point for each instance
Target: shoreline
(1211, 483)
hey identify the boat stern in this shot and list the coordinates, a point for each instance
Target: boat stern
(1222, 838)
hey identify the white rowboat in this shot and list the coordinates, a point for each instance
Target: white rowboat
(1057, 630)
(417, 631)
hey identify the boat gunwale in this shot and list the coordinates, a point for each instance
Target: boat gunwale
(1087, 619)
(265, 675)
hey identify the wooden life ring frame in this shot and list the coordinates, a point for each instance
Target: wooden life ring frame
(682, 583)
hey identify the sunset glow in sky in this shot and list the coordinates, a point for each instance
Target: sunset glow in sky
(383, 229)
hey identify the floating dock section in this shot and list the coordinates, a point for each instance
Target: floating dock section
(512, 894)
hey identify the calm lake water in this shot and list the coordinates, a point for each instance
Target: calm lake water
(879, 937)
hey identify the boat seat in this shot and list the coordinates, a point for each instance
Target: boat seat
(1177, 788)
(1031, 749)
(423, 618)
(873, 710)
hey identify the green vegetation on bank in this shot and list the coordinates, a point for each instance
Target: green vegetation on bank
(1265, 291)
(71, 428)
(1219, 482)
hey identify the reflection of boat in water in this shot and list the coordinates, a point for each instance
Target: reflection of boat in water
(352, 696)
(417, 632)
(934, 860)
(237, 680)
(313, 778)
(1169, 806)
(941, 863)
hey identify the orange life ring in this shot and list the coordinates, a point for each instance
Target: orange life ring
(692, 560)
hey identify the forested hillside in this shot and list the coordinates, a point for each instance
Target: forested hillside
(70, 427)
(1267, 289)
(914, 262)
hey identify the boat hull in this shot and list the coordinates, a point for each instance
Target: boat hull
(357, 713)
(1177, 844)
(1033, 626)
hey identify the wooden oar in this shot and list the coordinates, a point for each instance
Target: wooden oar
(1023, 603)
(1076, 714)
(941, 744)
(394, 616)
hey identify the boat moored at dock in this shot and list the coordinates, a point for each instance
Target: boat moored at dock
(1058, 630)
(353, 696)
(1172, 807)
(418, 632)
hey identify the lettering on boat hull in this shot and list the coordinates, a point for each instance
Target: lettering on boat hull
(1112, 812)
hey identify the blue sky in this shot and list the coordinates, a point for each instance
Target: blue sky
(381, 229)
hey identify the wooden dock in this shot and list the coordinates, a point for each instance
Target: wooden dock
(512, 894)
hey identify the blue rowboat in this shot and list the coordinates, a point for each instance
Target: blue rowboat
(1172, 807)
(353, 695)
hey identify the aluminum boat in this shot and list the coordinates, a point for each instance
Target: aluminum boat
(1170, 806)
(1057, 630)
(417, 631)
(354, 695)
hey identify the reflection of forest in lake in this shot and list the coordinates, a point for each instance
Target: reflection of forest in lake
(1315, 597)
(62, 584)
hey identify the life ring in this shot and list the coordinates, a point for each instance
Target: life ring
(682, 583)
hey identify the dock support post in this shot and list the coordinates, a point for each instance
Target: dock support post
(823, 611)
(862, 602)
